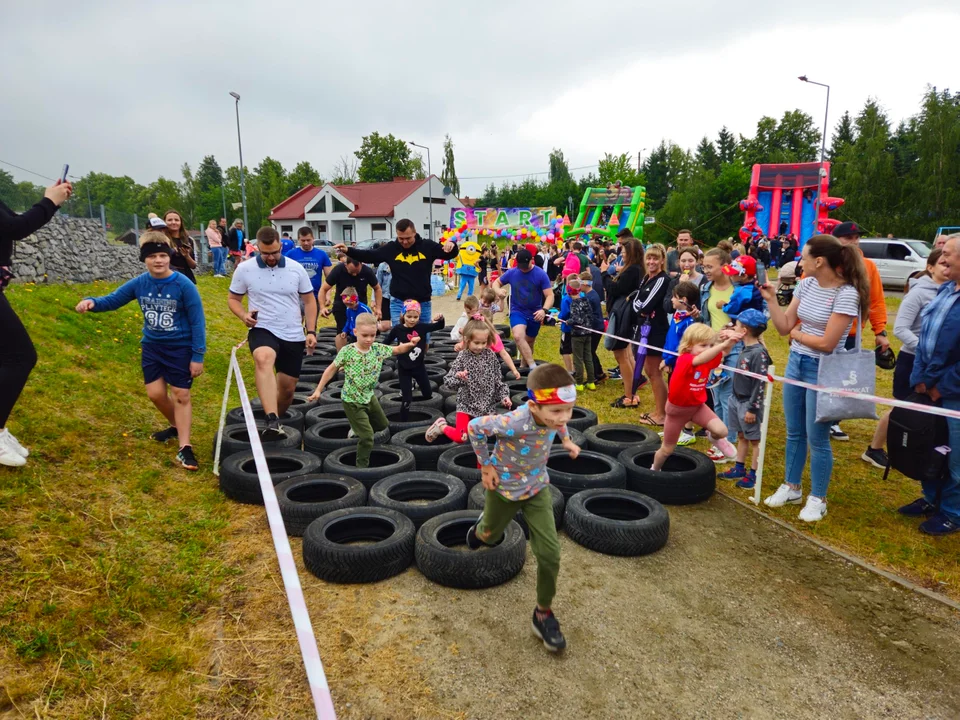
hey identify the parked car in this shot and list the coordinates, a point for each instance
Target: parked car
(372, 243)
(896, 258)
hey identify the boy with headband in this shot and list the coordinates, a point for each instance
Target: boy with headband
(515, 477)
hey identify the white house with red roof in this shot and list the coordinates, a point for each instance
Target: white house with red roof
(351, 213)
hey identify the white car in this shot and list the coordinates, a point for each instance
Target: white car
(896, 258)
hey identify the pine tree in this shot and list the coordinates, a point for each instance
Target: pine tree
(726, 145)
(449, 174)
(842, 136)
(707, 155)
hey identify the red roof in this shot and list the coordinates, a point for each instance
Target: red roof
(369, 199)
(292, 208)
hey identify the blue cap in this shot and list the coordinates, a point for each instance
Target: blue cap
(752, 318)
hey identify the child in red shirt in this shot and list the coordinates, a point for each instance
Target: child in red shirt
(687, 397)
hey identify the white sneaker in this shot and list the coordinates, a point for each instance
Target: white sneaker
(435, 430)
(7, 437)
(10, 457)
(718, 457)
(814, 510)
(785, 495)
(351, 434)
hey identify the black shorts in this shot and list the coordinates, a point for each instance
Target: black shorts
(566, 343)
(289, 353)
(170, 364)
(340, 316)
(901, 375)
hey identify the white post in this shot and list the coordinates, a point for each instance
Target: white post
(764, 424)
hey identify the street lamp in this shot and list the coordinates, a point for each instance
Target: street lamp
(243, 186)
(823, 144)
(429, 182)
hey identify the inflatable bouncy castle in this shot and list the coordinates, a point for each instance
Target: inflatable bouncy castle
(789, 199)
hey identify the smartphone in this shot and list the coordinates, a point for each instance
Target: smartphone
(63, 175)
(254, 314)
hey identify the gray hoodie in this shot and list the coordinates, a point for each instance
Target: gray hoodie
(907, 325)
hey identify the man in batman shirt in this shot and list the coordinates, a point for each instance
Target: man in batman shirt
(411, 260)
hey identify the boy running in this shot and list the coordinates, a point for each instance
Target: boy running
(515, 476)
(174, 337)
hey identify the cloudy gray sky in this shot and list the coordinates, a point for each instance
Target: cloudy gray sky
(138, 88)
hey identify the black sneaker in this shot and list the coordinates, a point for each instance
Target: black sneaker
(186, 459)
(876, 457)
(473, 542)
(164, 435)
(701, 433)
(837, 434)
(918, 508)
(548, 630)
(274, 430)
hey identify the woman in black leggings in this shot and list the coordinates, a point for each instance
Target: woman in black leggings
(17, 354)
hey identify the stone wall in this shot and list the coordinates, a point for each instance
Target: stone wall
(73, 250)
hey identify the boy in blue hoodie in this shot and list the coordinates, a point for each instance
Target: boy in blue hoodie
(174, 337)
(566, 338)
(686, 299)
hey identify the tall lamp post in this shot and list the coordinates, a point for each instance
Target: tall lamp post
(243, 186)
(429, 182)
(823, 143)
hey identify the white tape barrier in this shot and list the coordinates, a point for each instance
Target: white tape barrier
(319, 689)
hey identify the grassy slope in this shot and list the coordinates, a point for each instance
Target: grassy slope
(112, 558)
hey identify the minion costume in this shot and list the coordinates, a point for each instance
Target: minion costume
(467, 266)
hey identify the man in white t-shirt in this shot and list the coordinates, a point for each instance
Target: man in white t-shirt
(274, 286)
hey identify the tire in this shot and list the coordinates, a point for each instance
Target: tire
(420, 416)
(450, 403)
(451, 417)
(334, 396)
(460, 461)
(236, 440)
(406, 492)
(303, 499)
(238, 473)
(426, 455)
(331, 549)
(610, 439)
(385, 460)
(439, 560)
(301, 403)
(582, 419)
(304, 387)
(578, 438)
(477, 498)
(393, 386)
(324, 412)
(324, 437)
(436, 373)
(432, 361)
(291, 418)
(517, 386)
(395, 399)
(617, 522)
(687, 477)
(589, 471)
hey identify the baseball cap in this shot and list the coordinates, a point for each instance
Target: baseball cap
(157, 223)
(845, 229)
(524, 257)
(752, 318)
(743, 265)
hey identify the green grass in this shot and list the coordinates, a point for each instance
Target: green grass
(113, 563)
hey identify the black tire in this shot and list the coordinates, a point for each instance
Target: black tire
(291, 418)
(304, 387)
(477, 498)
(426, 455)
(436, 373)
(393, 386)
(303, 499)
(617, 522)
(331, 549)
(519, 398)
(385, 460)
(441, 561)
(407, 492)
(419, 416)
(450, 403)
(395, 399)
(610, 439)
(324, 412)
(687, 477)
(433, 361)
(236, 440)
(301, 403)
(578, 438)
(589, 471)
(517, 386)
(460, 461)
(324, 437)
(451, 417)
(582, 419)
(334, 396)
(238, 473)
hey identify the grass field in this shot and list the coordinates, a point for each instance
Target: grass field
(113, 562)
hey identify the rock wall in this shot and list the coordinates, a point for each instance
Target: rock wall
(73, 250)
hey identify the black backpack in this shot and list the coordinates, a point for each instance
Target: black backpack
(912, 441)
(581, 313)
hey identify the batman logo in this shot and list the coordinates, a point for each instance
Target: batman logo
(410, 258)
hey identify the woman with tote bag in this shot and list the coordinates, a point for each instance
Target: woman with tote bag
(834, 290)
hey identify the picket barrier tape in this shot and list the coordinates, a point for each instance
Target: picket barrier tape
(316, 678)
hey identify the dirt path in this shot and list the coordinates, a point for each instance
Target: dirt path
(734, 618)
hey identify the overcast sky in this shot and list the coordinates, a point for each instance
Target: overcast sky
(138, 88)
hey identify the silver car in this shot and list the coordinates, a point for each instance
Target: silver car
(896, 258)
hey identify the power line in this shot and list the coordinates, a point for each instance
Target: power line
(546, 172)
(33, 172)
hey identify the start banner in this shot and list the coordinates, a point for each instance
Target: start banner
(499, 218)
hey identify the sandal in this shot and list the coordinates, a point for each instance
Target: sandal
(618, 403)
(646, 419)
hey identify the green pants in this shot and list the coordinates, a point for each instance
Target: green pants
(582, 358)
(365, 420)
(538, 512)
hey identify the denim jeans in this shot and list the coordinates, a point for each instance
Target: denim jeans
(219, 260)
(950, 489)
(724, 389)
(800, 412)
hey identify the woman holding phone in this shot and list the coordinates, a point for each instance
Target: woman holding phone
(182, 261)
(17, 354)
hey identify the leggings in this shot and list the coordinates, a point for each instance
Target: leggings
(17, 358)
(406, 377)
(680, 415)
(594, 344)
(456, 434)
